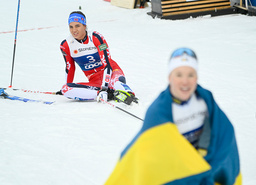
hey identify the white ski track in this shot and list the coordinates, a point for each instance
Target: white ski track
(72, 142)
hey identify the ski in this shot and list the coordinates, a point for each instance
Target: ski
(32, 91)
(4, 95)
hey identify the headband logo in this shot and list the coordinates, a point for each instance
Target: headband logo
(184, 57)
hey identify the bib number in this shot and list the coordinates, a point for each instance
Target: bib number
(91, 59)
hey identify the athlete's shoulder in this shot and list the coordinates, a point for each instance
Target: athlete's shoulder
(95, 33)
(63, 43)
(202, 89)
(64, 47)
(204, 93)
(97, 36)
(160, 110)
(67, 40)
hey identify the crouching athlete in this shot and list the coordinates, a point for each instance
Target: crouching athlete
(106, 80)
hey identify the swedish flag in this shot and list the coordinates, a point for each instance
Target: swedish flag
(159, 154)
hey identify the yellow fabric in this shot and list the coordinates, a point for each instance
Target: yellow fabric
(239, 179)
(202, 152)
(160, 155)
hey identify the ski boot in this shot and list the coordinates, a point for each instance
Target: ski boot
(125, 97)
(3, 94)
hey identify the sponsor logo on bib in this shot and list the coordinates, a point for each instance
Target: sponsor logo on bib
(92, 65)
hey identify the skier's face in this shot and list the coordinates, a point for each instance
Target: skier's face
(77, 30)
(183, 82)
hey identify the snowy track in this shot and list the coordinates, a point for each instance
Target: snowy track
(79, 143)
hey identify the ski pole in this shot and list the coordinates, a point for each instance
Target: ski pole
(120, 109)
(15, 39)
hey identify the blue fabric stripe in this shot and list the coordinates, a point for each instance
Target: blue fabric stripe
(75, 85)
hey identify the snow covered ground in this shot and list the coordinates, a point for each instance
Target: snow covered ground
(77, 143)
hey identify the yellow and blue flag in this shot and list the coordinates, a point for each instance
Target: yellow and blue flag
(160, 155)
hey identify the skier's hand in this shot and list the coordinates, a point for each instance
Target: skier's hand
(59, 92)
(102, 96)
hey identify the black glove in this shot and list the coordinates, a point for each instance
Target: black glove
(59, 92)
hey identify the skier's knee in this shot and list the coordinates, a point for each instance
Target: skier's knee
(122, 79)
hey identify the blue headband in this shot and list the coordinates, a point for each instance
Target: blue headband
(76, 17)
